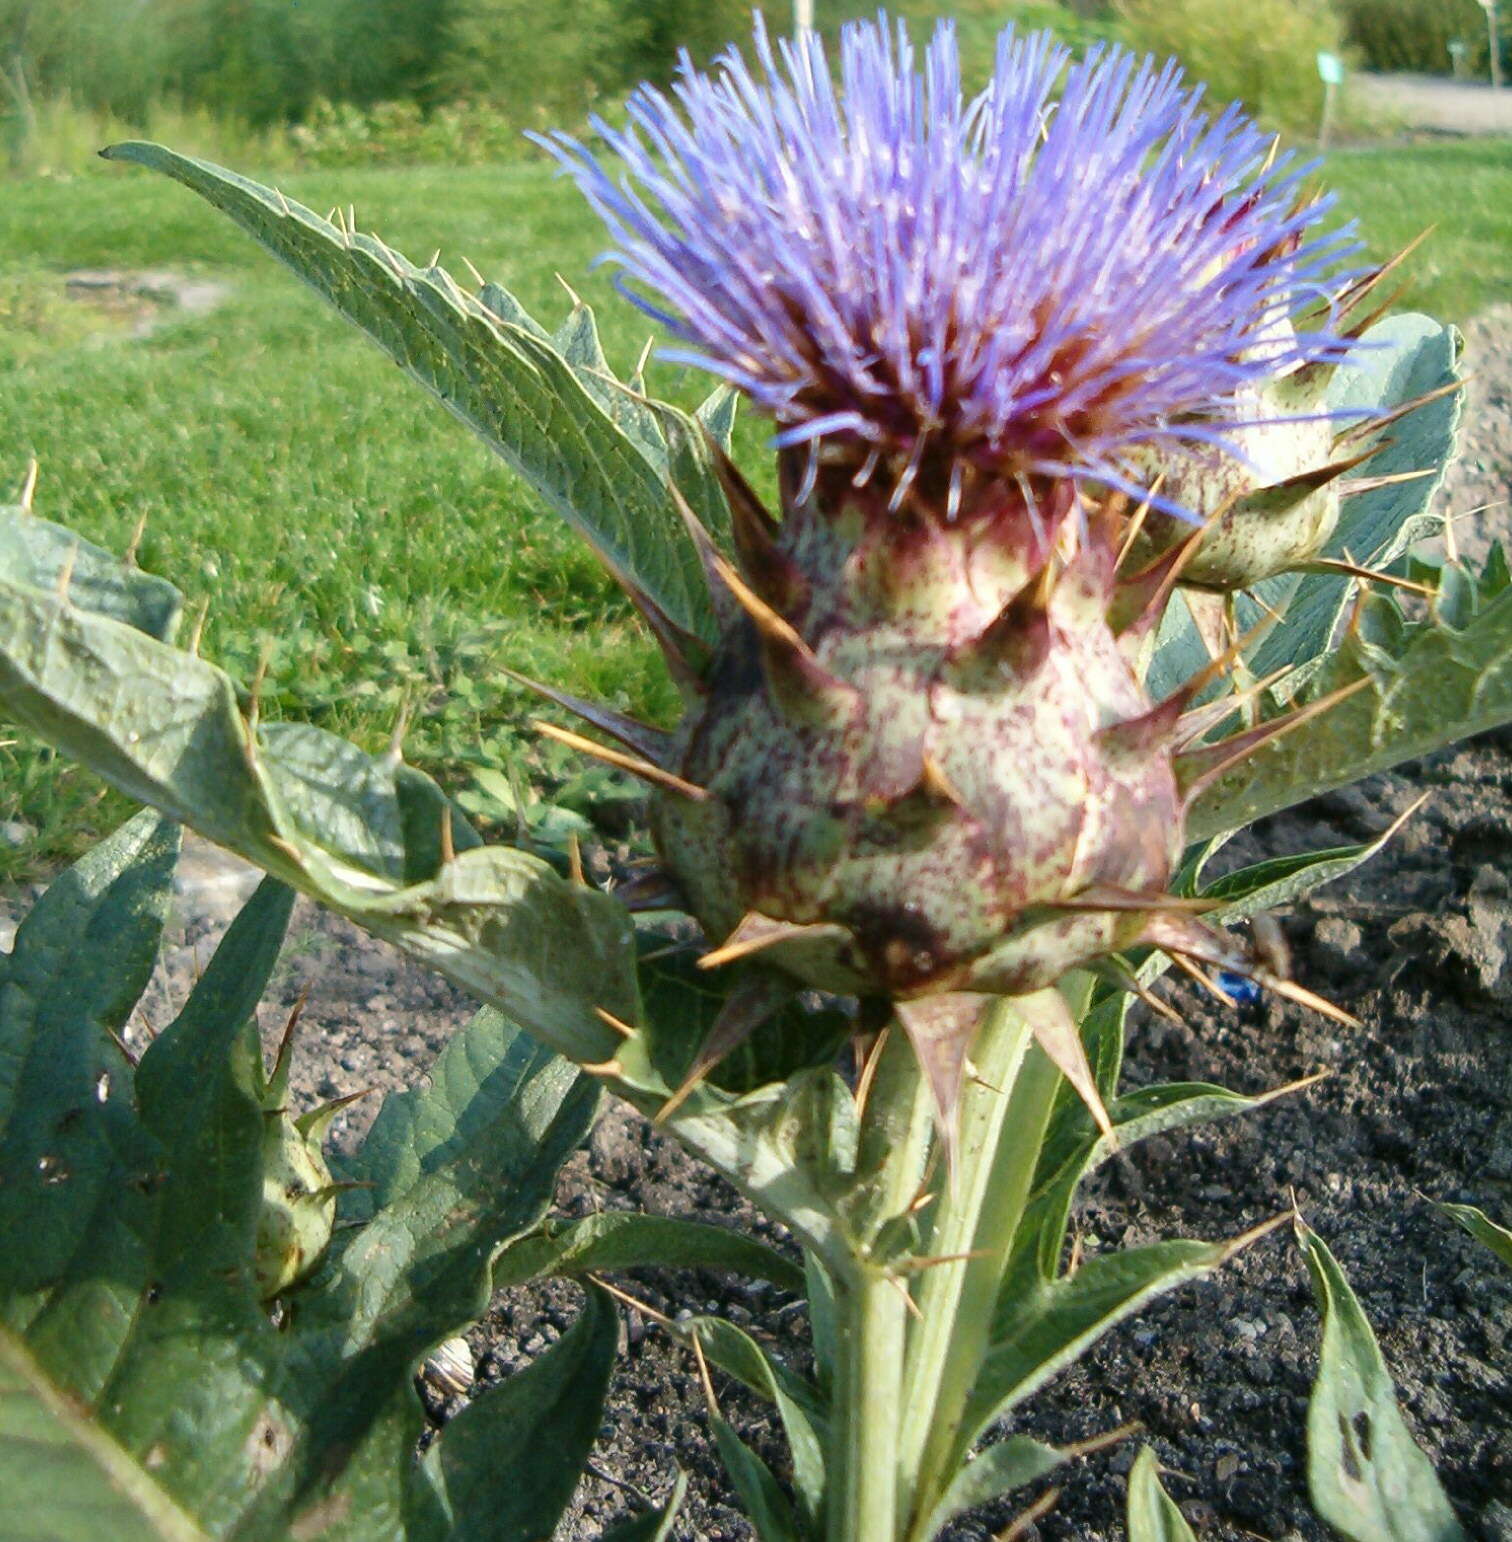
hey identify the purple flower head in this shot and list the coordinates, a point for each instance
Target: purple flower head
(1051, 279)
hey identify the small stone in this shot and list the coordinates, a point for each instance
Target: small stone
(1339, 945)
(16, 832)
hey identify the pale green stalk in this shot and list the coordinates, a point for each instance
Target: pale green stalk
(866, 1502)
(1003, 1124)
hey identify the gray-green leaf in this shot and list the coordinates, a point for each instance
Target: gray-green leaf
(1153, 1516)
(1368, 1478)
(371, 838)
(64, 1479)
(998, 1470)
(1481, 1227)
(505, 380)
(508, 1463)
(621, 1240)
(656, 1525)
(47, 556)
(1418, 686)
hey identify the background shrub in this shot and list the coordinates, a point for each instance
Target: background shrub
(1416, 34)
(1259, 52)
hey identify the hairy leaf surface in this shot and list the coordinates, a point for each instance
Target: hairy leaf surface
(563, 423)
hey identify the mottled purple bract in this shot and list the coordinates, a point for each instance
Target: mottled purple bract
(1051, 278)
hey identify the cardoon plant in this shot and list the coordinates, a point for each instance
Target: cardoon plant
(1092, 468)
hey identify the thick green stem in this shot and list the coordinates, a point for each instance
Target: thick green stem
(870, 1345)
(866, 1503)
(1003, 1126)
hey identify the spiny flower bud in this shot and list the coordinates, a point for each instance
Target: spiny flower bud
(297, 1215)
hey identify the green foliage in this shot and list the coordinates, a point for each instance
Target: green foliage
(1262, 54)
(1369, 1480)
(1415, 34)
(63, 1477)
(537, 66)
(131, 1202)
(1153, 1517)
(1416, 685)
(1480, 1226)
(1408, 356)
(401, 133)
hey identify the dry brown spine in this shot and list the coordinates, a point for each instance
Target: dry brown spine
(644, 769)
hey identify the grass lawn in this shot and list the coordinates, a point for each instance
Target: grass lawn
(291, 477)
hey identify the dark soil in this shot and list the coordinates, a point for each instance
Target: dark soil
(1416, 1102)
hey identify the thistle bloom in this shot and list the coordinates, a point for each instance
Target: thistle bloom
(921, 765)
(1021, 285)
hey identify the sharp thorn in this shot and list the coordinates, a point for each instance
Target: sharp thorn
(685, 654)
(937, 785)
(1352, 296)
(1024, 1524)
(28, 486)
(435, 261)
(1202, 977)
(755, 933)
(1057, 1034)
(1137, 519)
(1255, 1233)
(1366, 575)
(941, 1030)
(1353, 489)
(602, 1067)
(1363, 324)
(473, 273)
(65, 573)
(448, 849)
(259, 675)
(1196, 769)
(1201, 720)
(645, 769)
(278, 1077)
(1306, 998)
(197, 631)
(605, 1016)
(575, 861)
(648, 1312)
(1140, 600)
(649, 743)
(869, 1071)
(743, 1012)
(393, 756)
(909, 1304)
(705, 1380)
(1368, 426)
(920, 1265)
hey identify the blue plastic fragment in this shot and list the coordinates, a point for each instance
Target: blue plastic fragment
(1243, 989)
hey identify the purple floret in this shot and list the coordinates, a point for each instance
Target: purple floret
(1049, 279)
